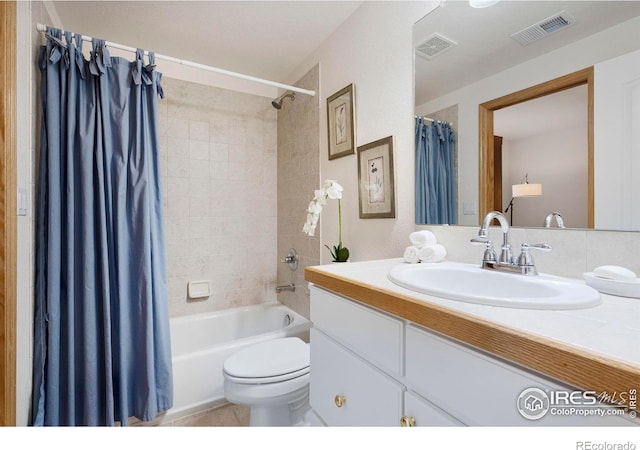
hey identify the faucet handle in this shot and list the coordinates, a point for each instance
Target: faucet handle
(291, 259)
(541, 247)
(489, 254)
(525, 259)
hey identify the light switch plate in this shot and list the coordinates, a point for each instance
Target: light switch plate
(469, 208)
(23, 201)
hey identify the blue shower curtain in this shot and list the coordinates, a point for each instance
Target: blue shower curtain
(101, 346)
(436, 199)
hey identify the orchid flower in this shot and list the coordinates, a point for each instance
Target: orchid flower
(332, 190)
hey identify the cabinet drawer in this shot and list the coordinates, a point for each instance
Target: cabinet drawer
(476, 388)
(370, 398)
(377, 337)
(425, 414)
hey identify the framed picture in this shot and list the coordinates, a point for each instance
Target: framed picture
(375, 179)
(341, 123)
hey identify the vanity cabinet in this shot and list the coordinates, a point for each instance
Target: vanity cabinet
(370, 368)
(357, 368)
(349, 391)
(418, 412)
(476, 388)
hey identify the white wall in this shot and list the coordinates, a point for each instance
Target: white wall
(373, 50)
(556, 159)
(27, 131)
(600, 47)
(616, 114)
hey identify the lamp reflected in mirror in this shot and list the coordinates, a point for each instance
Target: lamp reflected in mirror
(524, 189)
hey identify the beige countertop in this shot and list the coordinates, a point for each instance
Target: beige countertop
(595, 349)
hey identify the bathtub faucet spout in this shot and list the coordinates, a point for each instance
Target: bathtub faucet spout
(289, 287)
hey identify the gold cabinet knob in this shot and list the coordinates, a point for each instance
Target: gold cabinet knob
(340, 400)
(407, 421)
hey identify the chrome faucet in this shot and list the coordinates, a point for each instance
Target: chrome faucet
(288, 287)
(506, 255)
(549, 218)
(524, 264)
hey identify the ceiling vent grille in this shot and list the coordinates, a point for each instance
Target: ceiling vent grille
(544, 28)
(434, 45)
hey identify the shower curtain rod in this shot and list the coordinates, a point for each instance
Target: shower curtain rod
(432, 120)
(42, 28)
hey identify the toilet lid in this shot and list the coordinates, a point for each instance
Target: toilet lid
(269, 359)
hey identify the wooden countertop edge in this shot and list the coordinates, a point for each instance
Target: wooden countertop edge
(573, 365)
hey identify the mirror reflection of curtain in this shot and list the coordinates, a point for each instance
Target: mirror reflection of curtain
(435, 172)
(102, 352)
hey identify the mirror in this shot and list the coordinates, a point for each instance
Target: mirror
(482, 63)
(550, 128)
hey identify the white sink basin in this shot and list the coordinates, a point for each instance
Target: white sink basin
(470, 283)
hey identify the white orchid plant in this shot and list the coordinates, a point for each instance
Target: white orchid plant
(330, 190)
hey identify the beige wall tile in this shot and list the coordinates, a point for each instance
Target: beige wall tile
(198, 131)
(221, 203)
(573, 251)
(298, 167)
(199, 150)
(613, 247)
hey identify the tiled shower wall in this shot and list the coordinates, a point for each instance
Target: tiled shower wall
(298, 177)
(218, 152)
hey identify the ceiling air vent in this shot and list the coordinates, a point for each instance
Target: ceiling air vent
(544, 28)
(434, 45)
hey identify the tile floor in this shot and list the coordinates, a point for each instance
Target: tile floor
(229, 415)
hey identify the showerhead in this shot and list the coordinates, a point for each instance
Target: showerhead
(277, 103)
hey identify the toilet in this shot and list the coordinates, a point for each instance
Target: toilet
(272, 378)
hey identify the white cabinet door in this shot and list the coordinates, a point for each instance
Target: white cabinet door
(418, 412)
(375, 336)
(347, 391)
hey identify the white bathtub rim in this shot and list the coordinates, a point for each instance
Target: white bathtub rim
(281, 333)
(236, 310)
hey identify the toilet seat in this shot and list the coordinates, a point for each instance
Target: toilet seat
(265, 380)
(272, 361)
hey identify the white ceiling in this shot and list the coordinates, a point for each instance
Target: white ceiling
(485, 46)
(266, 39)
(270, 39)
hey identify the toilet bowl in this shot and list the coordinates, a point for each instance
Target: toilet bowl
(272, 378)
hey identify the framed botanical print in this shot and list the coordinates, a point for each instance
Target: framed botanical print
(375, 179)
(341, 123)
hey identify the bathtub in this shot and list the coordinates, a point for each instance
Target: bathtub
(200, 344)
